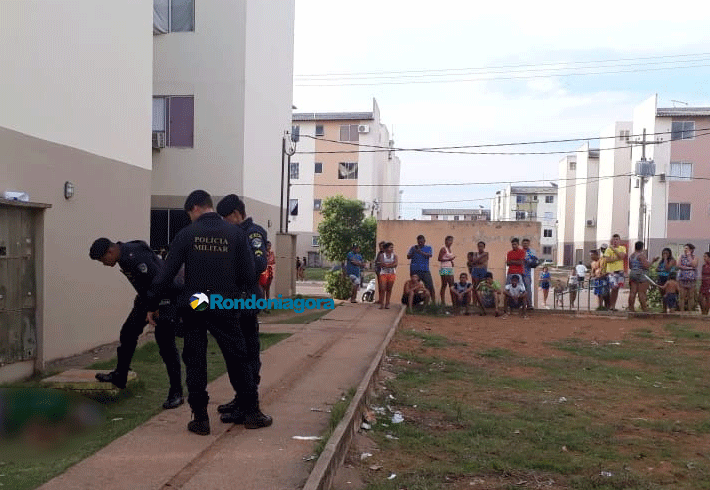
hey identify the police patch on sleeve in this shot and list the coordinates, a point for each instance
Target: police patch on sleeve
(256, 243)
(143, 267)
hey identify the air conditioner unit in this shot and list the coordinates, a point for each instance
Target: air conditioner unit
(662, 177)
(158, 139)
(363, 128)
(591, 223)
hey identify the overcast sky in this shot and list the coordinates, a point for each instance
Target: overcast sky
(525, 80)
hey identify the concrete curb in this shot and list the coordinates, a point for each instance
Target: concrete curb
(321, 477)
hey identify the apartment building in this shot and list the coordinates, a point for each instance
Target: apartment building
(670, 190)
(530, 203)
(222, 102)
(75, 136)
(614, 181)
(585, 202)
(480, 214)
(566, 196)
(329, 161)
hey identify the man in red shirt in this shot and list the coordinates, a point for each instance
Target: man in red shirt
(515, 260)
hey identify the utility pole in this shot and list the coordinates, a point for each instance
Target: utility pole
(644, 169)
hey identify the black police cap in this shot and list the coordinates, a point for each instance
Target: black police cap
(99, 248)
(228, 205)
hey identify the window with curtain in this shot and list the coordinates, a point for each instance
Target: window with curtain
(173, 16)
(682, 130)
(347, 170)
(680, 171)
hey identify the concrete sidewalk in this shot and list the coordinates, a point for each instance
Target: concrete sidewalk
(302, 377)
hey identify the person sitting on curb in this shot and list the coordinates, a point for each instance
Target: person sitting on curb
(515, 296)
(415, 292)
(489, 294)
(461, 293)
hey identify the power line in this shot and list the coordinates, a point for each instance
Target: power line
(383, 149)
(501, 66)
(488, 71)
(484, 79)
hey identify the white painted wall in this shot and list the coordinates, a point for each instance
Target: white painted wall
(585, 201)
(614, 198)
(86, 61)
(268, 94)
(565, 204)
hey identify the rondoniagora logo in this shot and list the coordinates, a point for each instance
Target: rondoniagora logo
(199, 302)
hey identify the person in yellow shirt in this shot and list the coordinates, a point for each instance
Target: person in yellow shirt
(614, 260)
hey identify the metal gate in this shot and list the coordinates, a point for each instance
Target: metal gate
(18, 330)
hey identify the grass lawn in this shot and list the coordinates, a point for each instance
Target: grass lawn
(316, 273)
(628, 414)
(22, 469)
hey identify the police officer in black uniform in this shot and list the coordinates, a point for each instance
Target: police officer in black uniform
(233, 210)
(217, 260)
(141, 265)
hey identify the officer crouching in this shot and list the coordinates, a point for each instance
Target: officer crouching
(217, 260)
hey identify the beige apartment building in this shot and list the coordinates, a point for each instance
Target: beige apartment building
(75, 138)
(329, 161)
(76, 97)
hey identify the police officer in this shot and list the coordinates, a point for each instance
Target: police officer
(217, 260)
(141, 265)
(233, 210)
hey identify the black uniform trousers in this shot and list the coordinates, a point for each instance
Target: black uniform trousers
(224, 325)
(250, 328)
(164, 337)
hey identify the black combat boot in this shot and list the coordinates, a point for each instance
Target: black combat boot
(200, 423)
(114, 377)
(174, 400)
(229, 407)
(256, 420)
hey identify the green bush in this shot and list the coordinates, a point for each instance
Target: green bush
(338, 285)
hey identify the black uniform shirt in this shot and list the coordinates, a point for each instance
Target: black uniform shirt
(257, 243)
(217, 260)
(139, 264)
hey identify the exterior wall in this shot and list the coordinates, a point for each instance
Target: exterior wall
(585, 203)
(497, 235)
(302, 188)
(614, 198)
(696, 191)
(66, 77)
(566, 210)
(54, 71)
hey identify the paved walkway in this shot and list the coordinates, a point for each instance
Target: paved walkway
(302, 377)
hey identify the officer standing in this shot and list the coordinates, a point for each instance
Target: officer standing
(217, 260)
(233, 210)
(141, 265)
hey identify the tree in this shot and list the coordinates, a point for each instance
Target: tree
(344, 224)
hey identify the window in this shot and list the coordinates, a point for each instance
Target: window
(547, 233)
(519, 199)
(573, 165)
(319, 168)
(317, 203)
(315, 241)
(293, 171)
(320, 131)
(625, 135)
(678, 211)
(176, 117)
(173, 16)
(548, 214)
(456, 217)
(347, 170)
(348, 132)
(534, 198)
(549, 199)
(680, 171)
(682, 130)
(547, 250)
(519, 215)
(293, 207)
